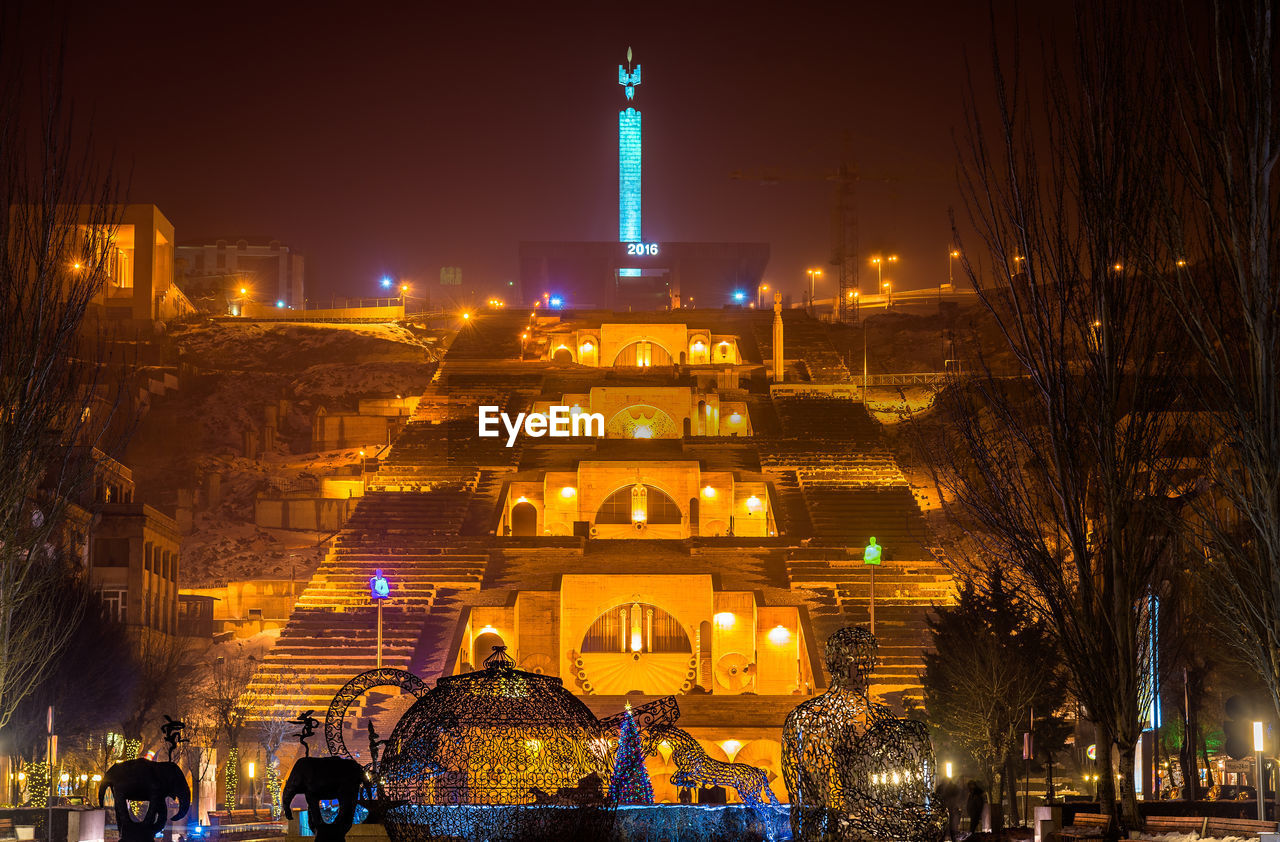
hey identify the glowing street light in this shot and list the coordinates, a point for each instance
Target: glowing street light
(813, 273)
(760, 289)
(951, 259)
(879, 263)
(887, 286)
(1259, 742)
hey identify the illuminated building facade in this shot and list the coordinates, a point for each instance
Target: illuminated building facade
(704, 546)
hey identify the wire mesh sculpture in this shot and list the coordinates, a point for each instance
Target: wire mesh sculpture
(695, 769)
(476, 756)
(854, 771)
(357, 687)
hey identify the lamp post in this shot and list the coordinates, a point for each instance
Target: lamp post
(379, 592)
(879, 263)
(813, 273)
(761, 288)
(887, 286)
(951, 259)
(1258, 743)
(871, 557)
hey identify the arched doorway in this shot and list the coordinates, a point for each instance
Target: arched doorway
(688, 427)
(562, 355)
(483, 648)
(524, 519)
(693, 513)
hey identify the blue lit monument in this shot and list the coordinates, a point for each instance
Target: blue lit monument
(630, 273)
(629, 144)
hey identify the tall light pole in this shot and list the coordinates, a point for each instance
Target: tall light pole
(951, 259)
(379, 592)
(887, 286)
(761, 288)
(1258, 743)
(879, 263)
(813, 273)
(871, 557)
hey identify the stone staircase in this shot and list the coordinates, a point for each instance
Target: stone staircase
(482, 509)
(905, 593)
(790, 510)
(438, 481)
(804, 339)
(332, 633)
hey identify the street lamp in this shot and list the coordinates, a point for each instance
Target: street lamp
(404, 295)
(813, 273)
(1258, 743)
(759, 289)
(879, 263)
(379, 592)
(887, 286)
(951, 259)
(871, 557)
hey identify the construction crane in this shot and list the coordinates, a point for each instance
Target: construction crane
(844, 219)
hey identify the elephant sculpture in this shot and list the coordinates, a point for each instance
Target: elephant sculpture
(150, 781)
(325, 779)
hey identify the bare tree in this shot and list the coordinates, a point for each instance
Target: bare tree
(57, 210)
(1223, 219)
(1062, 468)
(230, 704)
(162, 662)
(277, 725)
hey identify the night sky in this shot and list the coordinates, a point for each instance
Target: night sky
(397, 138)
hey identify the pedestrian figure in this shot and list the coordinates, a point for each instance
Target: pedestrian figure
(952, 795)
(976, 800)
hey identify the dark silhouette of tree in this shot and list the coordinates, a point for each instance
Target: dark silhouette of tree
(1060, 468)
(88, 683)
(1222, 261)
(163, 666)
(993, 664)
(56, 211)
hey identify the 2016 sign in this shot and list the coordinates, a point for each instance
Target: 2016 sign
(642, 249)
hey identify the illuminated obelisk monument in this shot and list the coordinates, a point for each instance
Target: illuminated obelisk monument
(629, 157)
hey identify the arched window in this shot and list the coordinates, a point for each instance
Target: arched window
(652, 505)
(643, 354)
(638, 627)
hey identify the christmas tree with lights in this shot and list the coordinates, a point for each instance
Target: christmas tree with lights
(630, 783)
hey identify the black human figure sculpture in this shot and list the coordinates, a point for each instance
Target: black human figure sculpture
(308, 723)
(375, 747)
(172, 730)
(325, 779)
(150, 781)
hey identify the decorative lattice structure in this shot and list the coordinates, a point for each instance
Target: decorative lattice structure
(853, 769)
(497, 753)
(353, 690)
